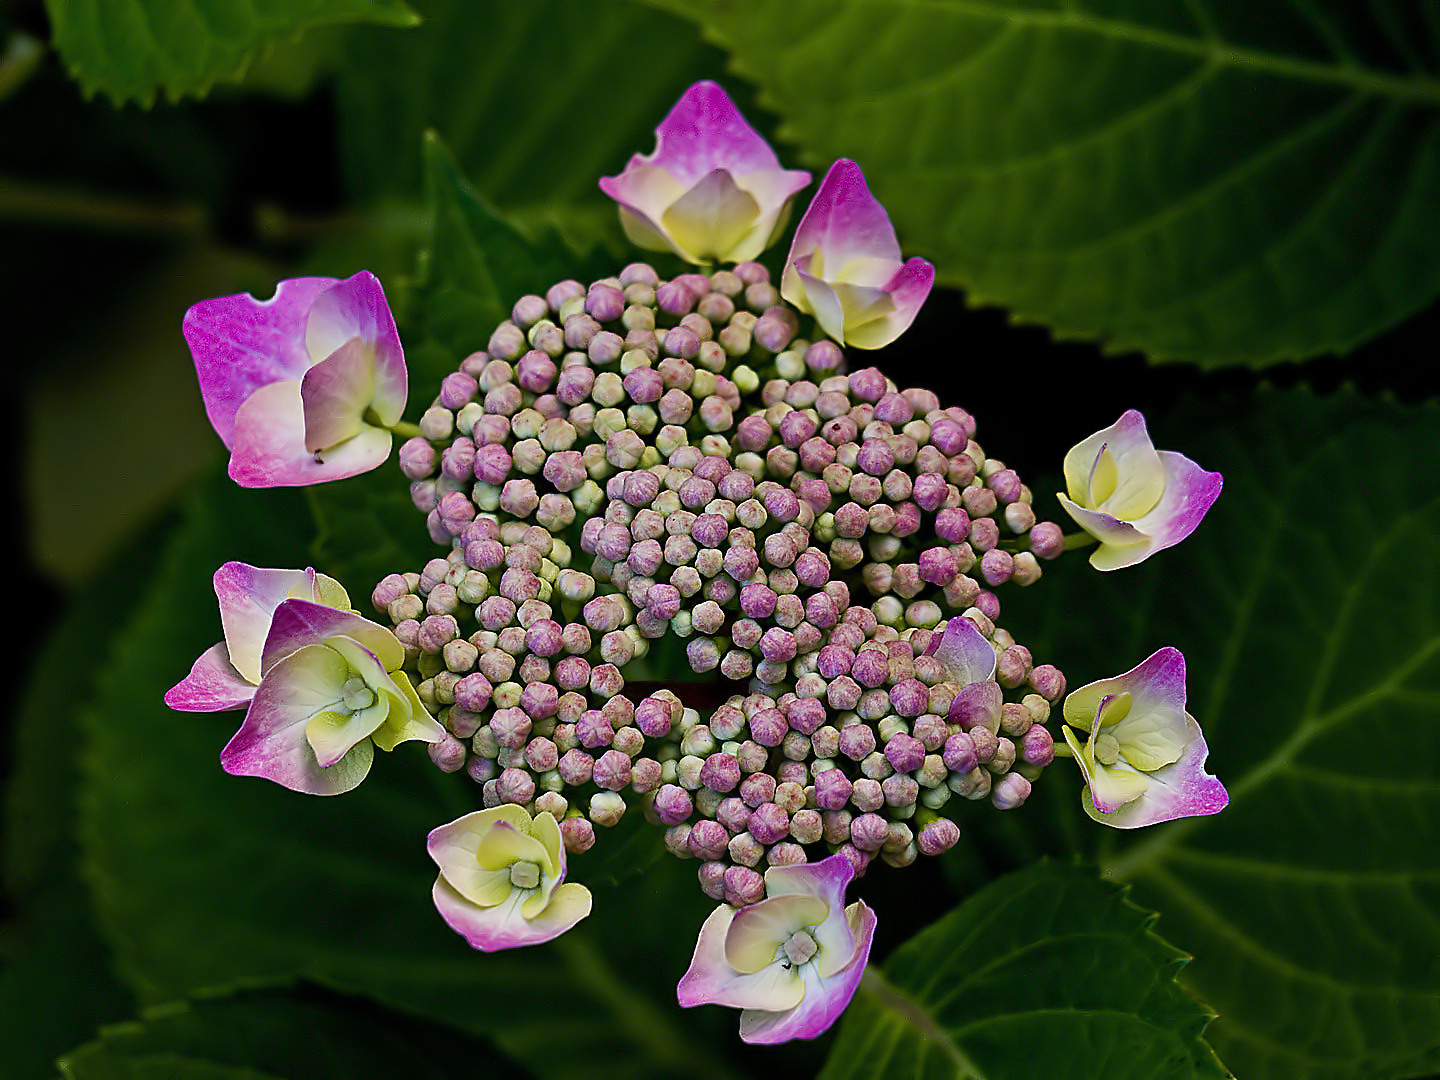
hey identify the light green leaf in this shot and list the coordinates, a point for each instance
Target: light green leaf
(134, 49)
(207, 879)
(303, 1032)
(1047, 973)
(1306, 605)
(1216, 181)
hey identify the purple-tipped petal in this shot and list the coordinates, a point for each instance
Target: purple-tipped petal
(269, 444)
(844, 221)
(504, 926)
(1190, 491)
(1181, 789)
(213, 685)
(298, 623)
(248, 597)
(272, 742)
(908, 290)
(703, 132)
(845, 266)
(1132, 498)
(826, 997)
(967, 655)
(241, 344)
(1158, 681)
(712, 188)
(357, 308)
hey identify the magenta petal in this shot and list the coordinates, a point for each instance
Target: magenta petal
(357, 308)
(269, 444)
(241, 344)
(703, 132)
(908, 291)
(213, 685)
(298, 623)
(967, 655)
(825, 998)
(1190, 491)
(845, 221)
(978, 704)
(271, 743)
(335, 394)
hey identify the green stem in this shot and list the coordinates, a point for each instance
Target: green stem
(1075, 541)
(405, 429)
(885, 993)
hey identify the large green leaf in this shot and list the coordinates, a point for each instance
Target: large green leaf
(1047, 973)
(1307, 607)
(303, 1032)
(1219, 181)
(134, 49)
(204, 879)
(56, 982)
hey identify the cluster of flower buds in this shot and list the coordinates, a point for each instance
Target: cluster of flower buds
(640, 464)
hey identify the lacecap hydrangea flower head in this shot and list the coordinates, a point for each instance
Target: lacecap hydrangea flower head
(686, 470)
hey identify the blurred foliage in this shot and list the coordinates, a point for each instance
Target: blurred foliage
(1050, 949)
(1220, 182)
(1106, 171)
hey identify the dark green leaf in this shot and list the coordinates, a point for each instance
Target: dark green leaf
(302, 1032)
(367, 527)
(1047, 973)
(56, 982)
(1307, 608)
(538, 100)
(478, 264)
(1202, 181)
(205, 879)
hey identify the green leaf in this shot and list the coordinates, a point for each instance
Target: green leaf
(56, 982)
(1198, 181)
(1306, 605)
(305, 1032)
(1047, 973)
(207, 879)
(365, 528)
(478, 264)
(134, 49)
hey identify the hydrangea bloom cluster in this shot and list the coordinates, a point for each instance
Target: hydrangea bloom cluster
(609, 479)
(690, 565)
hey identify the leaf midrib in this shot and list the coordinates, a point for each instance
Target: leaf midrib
(1425, 89)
